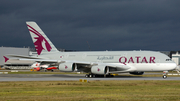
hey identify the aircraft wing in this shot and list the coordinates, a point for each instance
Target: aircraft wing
(22, 56)
(42, 60)
(120, 66)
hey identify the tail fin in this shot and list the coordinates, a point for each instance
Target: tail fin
(40, 40)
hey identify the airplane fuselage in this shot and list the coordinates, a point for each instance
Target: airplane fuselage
(137, 60)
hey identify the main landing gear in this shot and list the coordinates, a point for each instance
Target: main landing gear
(89, 75)
(95, 75)
(165, 74)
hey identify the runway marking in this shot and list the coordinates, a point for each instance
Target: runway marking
(173, 74)
(3, 72)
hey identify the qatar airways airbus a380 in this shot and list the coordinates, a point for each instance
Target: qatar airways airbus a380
(98, 62)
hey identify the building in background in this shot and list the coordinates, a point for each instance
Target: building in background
(14, 64)
(17, 64)
(176, 57)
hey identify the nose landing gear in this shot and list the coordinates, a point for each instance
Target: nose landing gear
(165, 74)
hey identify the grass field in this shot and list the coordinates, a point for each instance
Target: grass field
(123, 90)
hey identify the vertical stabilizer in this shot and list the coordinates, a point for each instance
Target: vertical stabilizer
(40, 40)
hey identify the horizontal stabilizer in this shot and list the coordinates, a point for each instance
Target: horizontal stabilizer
(44, 60)
(22, 56)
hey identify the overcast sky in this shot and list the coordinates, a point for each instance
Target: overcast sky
(105, 24)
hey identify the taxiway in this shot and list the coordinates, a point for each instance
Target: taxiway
(71, 77)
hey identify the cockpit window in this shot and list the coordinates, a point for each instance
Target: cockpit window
(168, 59)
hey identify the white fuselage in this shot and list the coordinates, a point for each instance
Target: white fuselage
(137, 60)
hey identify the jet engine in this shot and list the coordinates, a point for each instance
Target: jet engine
(100, 69)
(67, 67)
(137, 73)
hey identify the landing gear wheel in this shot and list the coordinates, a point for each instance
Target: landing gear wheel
(112, 75)
(91, 75)
(52, 70)
(164, 76)
(86, 75)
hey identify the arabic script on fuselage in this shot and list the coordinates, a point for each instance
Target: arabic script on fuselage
(105, 57)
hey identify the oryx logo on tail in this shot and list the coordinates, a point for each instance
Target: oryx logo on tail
(41, 43)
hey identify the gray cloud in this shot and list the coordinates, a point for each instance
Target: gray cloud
(106, 25)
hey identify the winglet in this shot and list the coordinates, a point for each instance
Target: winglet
(6, 59)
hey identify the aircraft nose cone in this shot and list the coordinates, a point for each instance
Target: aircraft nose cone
(173, 66)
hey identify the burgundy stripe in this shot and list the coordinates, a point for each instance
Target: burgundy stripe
(34, 30)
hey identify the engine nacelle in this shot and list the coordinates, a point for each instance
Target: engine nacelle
(67, 67)
(178, 68)
(137, 73)
(100, 69)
